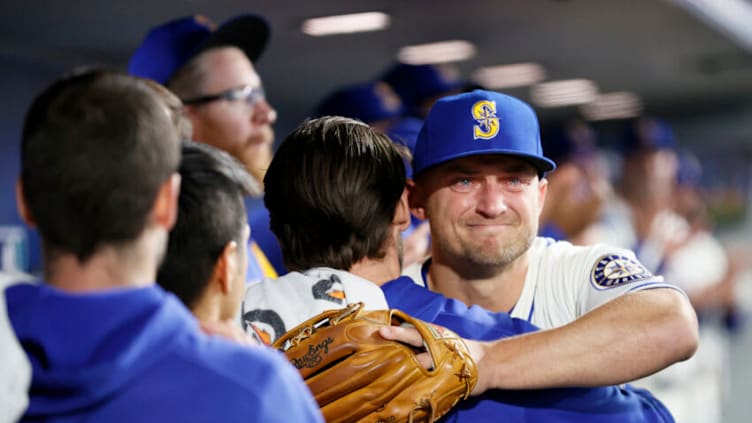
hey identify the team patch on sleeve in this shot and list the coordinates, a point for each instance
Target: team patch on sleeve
(613, 270)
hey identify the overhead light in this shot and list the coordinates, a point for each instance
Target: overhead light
(509, 76)
(439, 52)
(730, 17)
(616, 105)
(345, 24)
(570, 92)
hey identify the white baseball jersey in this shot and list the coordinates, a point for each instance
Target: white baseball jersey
(14, 365)
(565, 281)
(272, 307)
(616, 227)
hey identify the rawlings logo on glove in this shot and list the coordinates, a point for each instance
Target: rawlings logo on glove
(357, 375)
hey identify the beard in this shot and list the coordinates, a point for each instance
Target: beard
(400, 250)
(257, 154)
(492, 251)
(496, 254)
(259, 163)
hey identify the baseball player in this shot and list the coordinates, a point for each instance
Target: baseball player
(479, 181)
(340, 254)
(211, 68)
(580, 186)
(99, 155)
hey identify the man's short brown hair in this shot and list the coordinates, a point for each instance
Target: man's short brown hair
(332, 190)
(96, 147)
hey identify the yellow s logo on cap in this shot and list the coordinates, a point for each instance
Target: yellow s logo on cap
(484, 112)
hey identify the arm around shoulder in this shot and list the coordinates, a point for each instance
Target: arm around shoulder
(630, 337)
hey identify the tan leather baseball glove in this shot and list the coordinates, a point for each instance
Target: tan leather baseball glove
(357, 375)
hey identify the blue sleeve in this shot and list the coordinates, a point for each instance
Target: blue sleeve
(469, 322)
(288, 397)
(551, 230)
(588, 405)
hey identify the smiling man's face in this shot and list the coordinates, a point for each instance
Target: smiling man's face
(482, 209)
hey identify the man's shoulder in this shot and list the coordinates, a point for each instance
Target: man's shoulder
(210, 378)
(226, 362)
(269, 293)
(550, 250)
(560, 264)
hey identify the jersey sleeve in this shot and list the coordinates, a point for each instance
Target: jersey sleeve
(608, 272)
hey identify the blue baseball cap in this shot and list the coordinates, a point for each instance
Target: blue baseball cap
(479, 122)
(167, 47)
(689, 172)
(569, 141)
(404, 131)
(646, 134)
(369, 102)
(417, 83)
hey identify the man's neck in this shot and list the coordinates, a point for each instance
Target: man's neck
(108, 268)
(378, 271)
(495, 289)
(208, 309)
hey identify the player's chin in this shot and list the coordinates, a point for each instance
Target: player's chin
(259, 145)
(257, 158)
(264, 136)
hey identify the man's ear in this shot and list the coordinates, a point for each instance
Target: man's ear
(165, 209)
(415, 200)
(402, 212)
(542, 190)
(21, 206)
(226, 267)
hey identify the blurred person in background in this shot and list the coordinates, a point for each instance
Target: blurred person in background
(419, 86)
(211, 69)
(711, 290)
(640, 215)
(374, 103)
(703, 267)
(661, 214)
(578, 188)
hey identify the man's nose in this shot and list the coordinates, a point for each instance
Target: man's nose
(491, 202)
(263, 113)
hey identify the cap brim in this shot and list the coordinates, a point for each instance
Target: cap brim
(542, 164)
(250, 33)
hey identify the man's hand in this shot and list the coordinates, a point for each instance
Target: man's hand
(477, 349)
(356, 374)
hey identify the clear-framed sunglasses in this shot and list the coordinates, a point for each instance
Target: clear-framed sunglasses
(247, 93)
